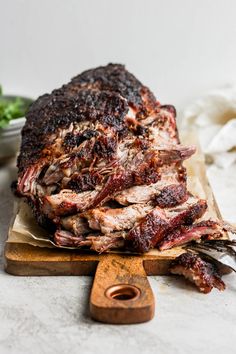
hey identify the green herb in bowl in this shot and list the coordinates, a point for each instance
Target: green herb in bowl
(12, 119)
(12, 107)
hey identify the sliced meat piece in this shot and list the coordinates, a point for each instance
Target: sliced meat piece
(144, 168)
(67, 239)
(191, 210)
(170, 174)
(66, 202)
(27, 183)
(184, 234)
(175, 153)
(156, 224)
(199, 272)
(137, 194)
(171, 196)
(117, 219)
(104, 243)
(76, 224)
(146, 233)
(139, 171)
(98, 243)
(116, 182)
(161, 155)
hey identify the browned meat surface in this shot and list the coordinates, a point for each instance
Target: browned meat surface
(207, 229)
(159, 222)
(170, 174)
(101, 165)
(117, 219)
(66, 202)
(171, 196)
(198, 271)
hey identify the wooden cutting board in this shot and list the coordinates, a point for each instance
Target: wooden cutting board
(121, 292)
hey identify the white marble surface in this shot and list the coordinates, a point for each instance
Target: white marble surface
(50, 314)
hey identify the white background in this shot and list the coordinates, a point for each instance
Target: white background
(179, 48)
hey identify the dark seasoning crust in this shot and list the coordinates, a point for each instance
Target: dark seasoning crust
(59, 110)
(103, 101)
(101, 134)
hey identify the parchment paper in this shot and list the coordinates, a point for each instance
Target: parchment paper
(24, 228)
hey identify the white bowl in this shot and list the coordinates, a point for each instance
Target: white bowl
(10, 138)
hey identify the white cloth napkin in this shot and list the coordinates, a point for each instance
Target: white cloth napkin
(214, 118)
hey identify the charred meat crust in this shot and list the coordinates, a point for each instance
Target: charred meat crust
(72, 140)
(59, 110)
(207, 228)
(145, 234)
(169, 108)
(84, 182)
(115, 78)
(100, 94)
(195, 212)
(171, 196)
(198, 271)
(155, 225)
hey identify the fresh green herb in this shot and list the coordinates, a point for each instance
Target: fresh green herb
(11, 108)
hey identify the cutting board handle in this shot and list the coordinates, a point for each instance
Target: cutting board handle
(121, 293)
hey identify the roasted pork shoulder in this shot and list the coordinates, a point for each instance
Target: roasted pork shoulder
(101, 165)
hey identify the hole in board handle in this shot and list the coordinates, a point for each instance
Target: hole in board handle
(123, 292)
